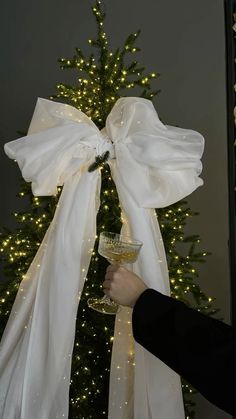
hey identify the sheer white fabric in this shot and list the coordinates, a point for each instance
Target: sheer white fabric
(153, 166)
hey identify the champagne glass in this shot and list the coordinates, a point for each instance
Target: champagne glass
(119, 250)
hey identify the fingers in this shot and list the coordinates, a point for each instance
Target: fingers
(109, 275)
(113, 268)
(106, 284)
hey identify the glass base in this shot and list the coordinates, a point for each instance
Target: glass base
(103, 305)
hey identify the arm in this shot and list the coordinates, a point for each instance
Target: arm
(199, 348)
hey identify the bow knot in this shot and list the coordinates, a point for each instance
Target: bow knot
(105, 150)
(107, 145)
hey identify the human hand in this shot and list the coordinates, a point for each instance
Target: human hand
(122, 285)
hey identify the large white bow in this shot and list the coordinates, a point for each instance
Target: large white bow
(153, 166)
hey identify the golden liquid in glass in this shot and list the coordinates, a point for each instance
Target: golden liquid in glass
(119, 255)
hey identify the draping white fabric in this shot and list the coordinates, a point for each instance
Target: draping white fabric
(153, 165)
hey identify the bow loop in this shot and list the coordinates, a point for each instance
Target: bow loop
(158, 164)
(49, 114)
(61, 141)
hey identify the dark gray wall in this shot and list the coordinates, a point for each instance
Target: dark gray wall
(184, 41)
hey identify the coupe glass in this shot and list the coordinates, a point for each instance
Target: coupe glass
(119, 250)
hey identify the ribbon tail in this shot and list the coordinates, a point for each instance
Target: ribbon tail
(156, 388)
(37, 345)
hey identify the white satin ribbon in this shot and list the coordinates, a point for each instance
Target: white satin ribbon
(154, 166)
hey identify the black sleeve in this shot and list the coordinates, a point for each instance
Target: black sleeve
(199, 348)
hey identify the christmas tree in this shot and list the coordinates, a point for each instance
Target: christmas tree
(102, 78)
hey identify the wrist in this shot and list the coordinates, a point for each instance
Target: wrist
(138, 294)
